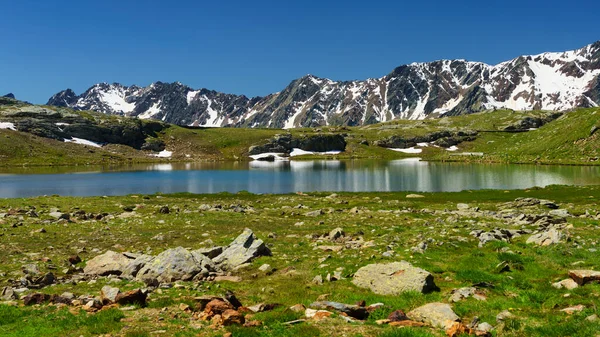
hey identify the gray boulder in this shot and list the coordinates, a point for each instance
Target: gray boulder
(242, 250)
(438, 315)
(173, 265)
(394, 278)
(109, 263)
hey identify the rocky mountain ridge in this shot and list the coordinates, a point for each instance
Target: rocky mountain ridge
(548, 81)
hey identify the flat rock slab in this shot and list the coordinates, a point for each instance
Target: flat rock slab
(584, 276)
(394, 278)
(438, 315)
(109, 263)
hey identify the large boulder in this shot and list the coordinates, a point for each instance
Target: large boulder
(109, 263)
(242, 250)
(173, 265)
(394, 278)
(438, 315)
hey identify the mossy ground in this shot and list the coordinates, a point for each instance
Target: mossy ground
(392, 221)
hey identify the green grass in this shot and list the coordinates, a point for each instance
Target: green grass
(525, 290)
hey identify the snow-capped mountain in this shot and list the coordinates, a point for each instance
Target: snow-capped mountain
(548, 81)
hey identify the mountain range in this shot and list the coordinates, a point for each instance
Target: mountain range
(548, 81)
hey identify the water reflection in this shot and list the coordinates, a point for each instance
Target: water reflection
(292, 176)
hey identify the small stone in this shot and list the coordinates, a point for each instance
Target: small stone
(592, 318)
(439, 315)
(414, 196)
(318, 280)
(336, 234)
(397, 316)
(573, 309)
(504, 315)
(568, 284)
(265, 268)
(298, 308)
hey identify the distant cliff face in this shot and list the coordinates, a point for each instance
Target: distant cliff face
(549, 81)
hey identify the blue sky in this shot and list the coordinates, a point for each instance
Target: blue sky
(258, 47)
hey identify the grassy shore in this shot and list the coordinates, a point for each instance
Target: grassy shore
(388, 223)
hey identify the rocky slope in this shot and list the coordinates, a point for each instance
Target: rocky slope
(548, 81)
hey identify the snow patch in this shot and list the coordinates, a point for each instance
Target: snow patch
(407, 150)
(82, 142)
(452, 148)
(164, 154)
(7, 126)
(278, 156)
(300, 152)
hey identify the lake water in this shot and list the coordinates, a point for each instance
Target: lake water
(286, 177)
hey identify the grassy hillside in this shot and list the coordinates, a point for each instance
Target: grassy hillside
(566, 140)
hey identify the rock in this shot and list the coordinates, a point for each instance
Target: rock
(317, 280)
(74, 259)
(397, 316)
(217, 307)
(456, 329)
(317, 314)
(136, 264)
(60, 215)
(573, 309)
(354, 311)
(592, 318)
(504, 315)
(438, 315)
(175, 264)
(109, 294)
(336, 234)
(230, 297)
(563, 213)
(298, 308)
(265, 268)
(31, 269)
(242, 250)
(232, 317)
(462, 293)
(56, 299)
(584, 276)
(484, 327)
(551, 236)
(211, 252)
(109, 263)
(394, 278)
(414, 196)
(566, 283)
(136, 296)
(8, 294)
(164, 210)
(36, 298)
(314, 213)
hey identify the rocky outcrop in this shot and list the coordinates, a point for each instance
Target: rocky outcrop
(61, 125)
(394, 278)
(439, 138)
(178, 263)
(285, 143)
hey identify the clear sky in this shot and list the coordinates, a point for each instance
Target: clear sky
(257, 47)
